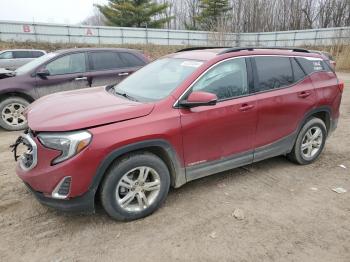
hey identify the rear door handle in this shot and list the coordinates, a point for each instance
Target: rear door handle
(304, 94)
(80, 78)
(246, 107)
(123, 74)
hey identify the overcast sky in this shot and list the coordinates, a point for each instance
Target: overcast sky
(52, 11)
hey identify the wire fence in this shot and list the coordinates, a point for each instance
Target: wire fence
(56, 33)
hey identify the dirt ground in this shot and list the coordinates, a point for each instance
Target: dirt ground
(290, 214)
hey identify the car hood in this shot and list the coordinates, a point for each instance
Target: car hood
(83, 108)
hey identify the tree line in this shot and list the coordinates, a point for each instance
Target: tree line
(224, 15)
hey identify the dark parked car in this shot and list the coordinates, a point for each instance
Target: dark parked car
(62, 71)
(14, 58)
(180, 118)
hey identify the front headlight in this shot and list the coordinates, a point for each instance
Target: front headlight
(69, 143)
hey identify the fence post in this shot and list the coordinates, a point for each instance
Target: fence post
(295, 36)
(168, 33)
(122, 35)
(275, 38)
(146, 34)
(35, 32)
(238, 36)
(68, 31)
(98, 36)
(188, 38)
(258, 39)
(341, 36)
(315, 40)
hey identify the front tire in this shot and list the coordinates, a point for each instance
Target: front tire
(135, 186)
(11, 110)
(309, 143)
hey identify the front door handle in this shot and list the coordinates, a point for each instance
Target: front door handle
(80, 78)
(304, 94)
(246, 107)
(123, 74)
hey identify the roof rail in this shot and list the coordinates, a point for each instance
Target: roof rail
(198, 48)
(236, 49)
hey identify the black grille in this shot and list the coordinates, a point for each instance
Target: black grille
(65, 187)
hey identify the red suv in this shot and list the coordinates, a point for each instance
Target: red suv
(185, 116)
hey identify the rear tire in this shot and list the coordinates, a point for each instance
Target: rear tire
(11, 113)
(135, 186)
(309, 143)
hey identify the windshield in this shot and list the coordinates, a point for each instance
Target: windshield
(34, 63)
(158, 79)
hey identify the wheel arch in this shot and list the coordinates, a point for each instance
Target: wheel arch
(324, 113)
(27, 97)
(159, 147)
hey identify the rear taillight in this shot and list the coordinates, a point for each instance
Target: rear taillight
(341, 86)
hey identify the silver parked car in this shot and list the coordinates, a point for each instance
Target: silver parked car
(14, 58)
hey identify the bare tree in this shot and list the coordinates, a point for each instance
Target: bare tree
(96, 18)
(257, 15)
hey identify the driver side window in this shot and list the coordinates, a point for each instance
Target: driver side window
(69, 64)
(226, 80)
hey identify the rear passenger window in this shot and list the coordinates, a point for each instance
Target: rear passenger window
(226, 80)
(105, 61)
(131, 60)
(273, 72)
(22, 54)
(297, 71)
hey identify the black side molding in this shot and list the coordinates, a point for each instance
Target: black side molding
(178, 172)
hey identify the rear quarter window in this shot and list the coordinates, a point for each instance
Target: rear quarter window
(311, 65)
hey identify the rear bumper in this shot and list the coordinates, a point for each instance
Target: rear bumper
(80, 204)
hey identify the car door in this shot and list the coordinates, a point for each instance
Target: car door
(67, 72)
(220, 137)
(284, 95)
(107, 68)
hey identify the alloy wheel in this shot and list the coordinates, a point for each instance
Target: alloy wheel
(138, 189)
(311, 142)
(12, 114)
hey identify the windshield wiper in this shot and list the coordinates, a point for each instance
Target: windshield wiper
(123, 94)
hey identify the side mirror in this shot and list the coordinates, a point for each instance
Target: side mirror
(199, 99)
(43, 73)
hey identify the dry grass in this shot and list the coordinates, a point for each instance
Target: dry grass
(154, 51)
(340, 52)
